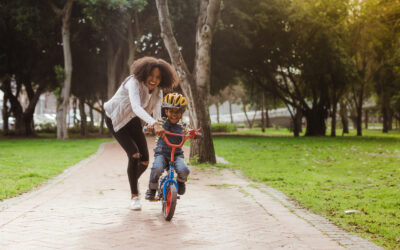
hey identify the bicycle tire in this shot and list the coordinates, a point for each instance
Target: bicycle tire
(170, 202)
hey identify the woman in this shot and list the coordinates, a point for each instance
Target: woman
(139, 97)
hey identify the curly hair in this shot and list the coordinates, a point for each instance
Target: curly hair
(142, 68)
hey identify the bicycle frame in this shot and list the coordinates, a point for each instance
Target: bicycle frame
(170, 176)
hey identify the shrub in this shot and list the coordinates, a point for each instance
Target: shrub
(46, 127)
(223, 127)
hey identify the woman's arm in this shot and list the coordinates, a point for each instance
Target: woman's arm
(134, 98)
(137, 108)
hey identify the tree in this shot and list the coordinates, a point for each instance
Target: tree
(300, 65)
(197, 83)
(127, 27)
(30, 40)
(362, 37)
(385, 19)
(89, 81)
(63, 98)
(216, 100)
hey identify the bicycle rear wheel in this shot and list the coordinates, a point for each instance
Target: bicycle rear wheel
(170, 202)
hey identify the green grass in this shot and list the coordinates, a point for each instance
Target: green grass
(330, 175)
(25, 163)
(268, 132)
(287, 132)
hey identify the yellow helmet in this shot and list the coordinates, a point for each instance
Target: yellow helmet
(174, 100)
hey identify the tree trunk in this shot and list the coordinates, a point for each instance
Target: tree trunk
(84, 127)
(230, 111)
(91, 124)
(113, 56)
(6, 114)
(366, 119)
(75, 119)
(24, 125)
(262, 112)
(132, 46)
(217, 107)
(196, 83)
(390, 119)
(385, 123)
(344, 118)
(359, 120)
(63, 102)
(315, 122)
(250, 122)
(333, 121)
(101, 130)
(297, 126)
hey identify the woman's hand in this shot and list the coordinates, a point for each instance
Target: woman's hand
(148, 130)
(159, 130)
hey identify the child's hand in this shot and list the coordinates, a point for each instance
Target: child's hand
(198, 136)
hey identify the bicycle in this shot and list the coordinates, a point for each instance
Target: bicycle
(168, 187)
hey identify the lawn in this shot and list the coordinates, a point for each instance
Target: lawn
(329, 176)
(287, 132)
(25, 163)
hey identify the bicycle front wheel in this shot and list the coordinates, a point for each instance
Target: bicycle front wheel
(170, 202)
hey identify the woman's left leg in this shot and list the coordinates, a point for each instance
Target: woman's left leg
(136, 169)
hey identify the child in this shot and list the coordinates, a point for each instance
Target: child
(174, 105)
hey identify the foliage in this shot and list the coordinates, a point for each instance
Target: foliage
(329, 176)
(303, 62)
(46, 127)
(223, 127)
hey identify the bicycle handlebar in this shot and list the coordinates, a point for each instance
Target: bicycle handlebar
(191, 134)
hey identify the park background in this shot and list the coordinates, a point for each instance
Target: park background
(301, 95)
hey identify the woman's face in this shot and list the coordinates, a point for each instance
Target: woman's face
(154, 79)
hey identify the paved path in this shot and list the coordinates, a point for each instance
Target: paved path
(87, 208)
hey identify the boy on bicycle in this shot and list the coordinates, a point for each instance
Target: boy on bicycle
(174, 105)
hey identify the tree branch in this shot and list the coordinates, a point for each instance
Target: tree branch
(56, 10)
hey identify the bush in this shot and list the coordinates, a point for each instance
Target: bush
(46, 127)
(223, 127)
(241, 125)
(76, 129)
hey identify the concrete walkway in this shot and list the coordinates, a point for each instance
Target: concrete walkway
(87, 208)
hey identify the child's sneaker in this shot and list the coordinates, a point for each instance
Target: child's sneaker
(150, 194)
(181, 188)
(135, 203)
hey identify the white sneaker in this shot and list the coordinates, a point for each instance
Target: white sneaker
(135, 203)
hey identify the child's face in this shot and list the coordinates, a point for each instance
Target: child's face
(174, 115)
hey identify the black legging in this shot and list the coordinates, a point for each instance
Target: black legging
(133, 141)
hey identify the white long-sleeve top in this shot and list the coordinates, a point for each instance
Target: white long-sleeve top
(133, 99)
